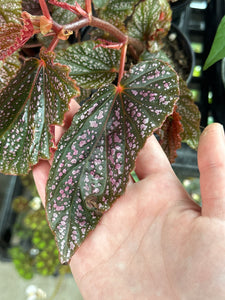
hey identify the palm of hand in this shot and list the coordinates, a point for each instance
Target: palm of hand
(155, 243)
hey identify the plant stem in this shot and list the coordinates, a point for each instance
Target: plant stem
(88, 8)
(101, 24)
(53, 43)
(44, 9)
(122, 62)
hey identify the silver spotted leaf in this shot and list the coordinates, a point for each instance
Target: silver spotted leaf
(33, 100)
(115, 11)
(64, 16)
(10, 11)
(91, 66)
(190, 116)
(8, 69)
(96, 155)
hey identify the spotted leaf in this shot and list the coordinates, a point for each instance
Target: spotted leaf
(91, 67)
(150, 22)
(64, 16)
(33, 100)
(8, 69)
(96, 155)
(115, 11)
(190, 116)
(10, 11)
(14, 36)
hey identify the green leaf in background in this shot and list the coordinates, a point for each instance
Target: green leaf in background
(151, 21)
(217, 51)
(35, 99)
(96, 155)
(115, 11)
(10, 11)
(91, 67)
(100, 3)
(8, 69)
(190, 116)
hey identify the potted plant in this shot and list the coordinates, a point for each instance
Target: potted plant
(129, 98)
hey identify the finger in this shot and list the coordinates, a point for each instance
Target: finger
(211, 161)
(151, 159)
(40, 175)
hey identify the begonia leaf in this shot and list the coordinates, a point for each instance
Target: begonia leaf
(96, 155)
(170, 136)
(91, 67)
(10, 11)
(8, 69)
(14, 36)
(64, 16)
(115, 11)
(190, 116)
(150, 22)
(32, 101)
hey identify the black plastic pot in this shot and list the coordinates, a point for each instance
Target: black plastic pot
(184, 46)
(10, 187)
(178, 7)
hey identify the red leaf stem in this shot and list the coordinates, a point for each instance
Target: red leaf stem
(44, 9)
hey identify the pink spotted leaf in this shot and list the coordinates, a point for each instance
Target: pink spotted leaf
(33, 100)
(96, 155)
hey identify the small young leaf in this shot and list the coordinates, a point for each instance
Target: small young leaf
(190, 116)
(36, 98)
(170, 138)
(151, 21)
(10, 11)
(91, 67)
(96, 155)
(14, 36)
(8, 69)
(217, 51)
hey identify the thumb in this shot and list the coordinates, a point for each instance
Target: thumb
(211, 161)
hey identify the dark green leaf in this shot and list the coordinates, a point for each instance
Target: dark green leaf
(10, 11)
(91, 67)
(190, 116)
(217, 51)
(36, 98)
(150, 22)
(96, 155)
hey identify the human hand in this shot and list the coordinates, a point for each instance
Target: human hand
(155, 242)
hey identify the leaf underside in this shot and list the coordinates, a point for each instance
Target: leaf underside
(91, 67)
(33, 100)
(96, 155)
(170, 136)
